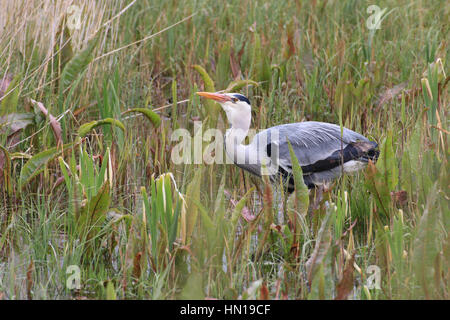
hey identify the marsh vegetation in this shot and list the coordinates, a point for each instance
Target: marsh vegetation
(90, 96)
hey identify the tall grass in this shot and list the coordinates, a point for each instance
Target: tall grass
(91, 183)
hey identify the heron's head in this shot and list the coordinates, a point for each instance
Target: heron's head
(236, 106)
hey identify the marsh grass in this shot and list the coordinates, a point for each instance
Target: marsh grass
(151, 229)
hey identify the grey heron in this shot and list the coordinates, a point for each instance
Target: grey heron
(322, 150)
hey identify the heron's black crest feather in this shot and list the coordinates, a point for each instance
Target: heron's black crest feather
(241, 97)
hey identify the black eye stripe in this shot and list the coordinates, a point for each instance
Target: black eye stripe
(241, 97)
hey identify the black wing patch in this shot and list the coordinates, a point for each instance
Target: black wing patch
(360, 150)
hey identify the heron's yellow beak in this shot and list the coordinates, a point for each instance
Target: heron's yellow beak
(215, 96)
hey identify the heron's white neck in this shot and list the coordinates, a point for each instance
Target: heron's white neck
(235, 136)
(240, 124)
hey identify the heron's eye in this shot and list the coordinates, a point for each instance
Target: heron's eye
(235, 100)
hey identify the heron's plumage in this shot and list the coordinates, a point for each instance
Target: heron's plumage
(323, 150)
(313, 141)
(319, 146)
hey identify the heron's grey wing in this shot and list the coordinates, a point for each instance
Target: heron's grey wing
(319, 146)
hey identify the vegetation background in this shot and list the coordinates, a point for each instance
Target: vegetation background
(90, 96)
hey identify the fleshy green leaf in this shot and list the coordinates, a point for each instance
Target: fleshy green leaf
(35, 165)
(77, 65)
(239, 84)
(110, 291)
(212, 108)
(13, 122)
(87, 127)
(387, 163)
(192, 196)
(301, 190)
(6, 169)
(152, 116)
(209, 84)
(11, 96)
(426, 244)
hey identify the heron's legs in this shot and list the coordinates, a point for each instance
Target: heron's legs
(316, 196)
